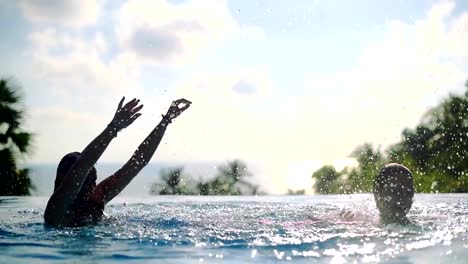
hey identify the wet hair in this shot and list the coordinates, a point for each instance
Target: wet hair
(394, 187)
(84, 210)
(390, 174)
(65, 164)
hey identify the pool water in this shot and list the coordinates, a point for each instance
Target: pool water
(263, 229)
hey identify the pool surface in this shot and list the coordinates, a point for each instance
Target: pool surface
(264, 229)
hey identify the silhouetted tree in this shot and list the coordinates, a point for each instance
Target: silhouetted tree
(296, 192)
(204, 188)
(370, 161)
(174, 183)
(232, 179)
(14, 142)
(436, 150)
(326, 180)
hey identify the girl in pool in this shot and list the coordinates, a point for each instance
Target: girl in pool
(77, 200)
(393, 193)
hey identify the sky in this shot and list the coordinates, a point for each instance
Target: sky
(286, 85)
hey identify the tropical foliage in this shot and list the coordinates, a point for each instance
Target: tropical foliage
(15, 142)
(435, 151)
(327, 180)
(174, 182)
(231, 179)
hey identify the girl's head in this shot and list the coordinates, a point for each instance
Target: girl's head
(65, 165)
(394, 191)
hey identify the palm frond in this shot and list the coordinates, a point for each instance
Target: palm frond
(8, 92)
(10, 116)
(22, 141)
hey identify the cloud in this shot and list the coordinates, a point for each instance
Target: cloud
(75, 13)
(155, 32)
(220, 122)
(251, 33)
(59, 129)
(224, 123)
(416, 59)
(237, 114)
(386, 91)
(235, 88)
(76, 62)
(244, 87)
(164, 33)
(79, 68)
(395, 79)
(156, 44)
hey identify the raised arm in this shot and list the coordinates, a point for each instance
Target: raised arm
(113, 185)
(58, 207)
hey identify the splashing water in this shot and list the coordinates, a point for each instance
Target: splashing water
(317, 229)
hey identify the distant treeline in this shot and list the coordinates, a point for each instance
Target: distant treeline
(436, 151)
(231, 179)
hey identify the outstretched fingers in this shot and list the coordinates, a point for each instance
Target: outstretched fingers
(133, 118)
(133, 112)
(130, 105)
(121, 103)
(181, 104)
(136, 109)
(182, 101)
(183, 108)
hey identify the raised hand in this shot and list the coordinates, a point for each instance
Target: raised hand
(126, 114)
(176, 108)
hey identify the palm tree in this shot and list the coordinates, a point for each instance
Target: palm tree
(232, 179)
(326, 180)
(204, 188)
(174, 182)
(15, 143)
